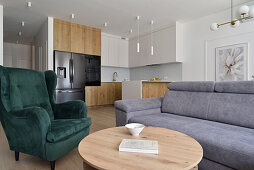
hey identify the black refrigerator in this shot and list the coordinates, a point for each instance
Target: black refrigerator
(71, 76)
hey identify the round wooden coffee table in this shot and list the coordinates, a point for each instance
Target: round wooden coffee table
(99, 150)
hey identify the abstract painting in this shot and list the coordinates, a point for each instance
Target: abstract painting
(231, 62)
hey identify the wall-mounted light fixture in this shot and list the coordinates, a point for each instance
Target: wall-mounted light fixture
(245, 12)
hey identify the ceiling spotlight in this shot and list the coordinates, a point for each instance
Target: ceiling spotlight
(131, 31)
(29, 4)
(20, 33)
(22, 23)
(105, 24)
(72, 16)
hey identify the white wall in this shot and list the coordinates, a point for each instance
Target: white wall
(43, 43)
(107, 73)
(50, 43)
(200, 44)
(1, 35)
(17, 55)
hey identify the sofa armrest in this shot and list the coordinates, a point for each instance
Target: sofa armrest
(26, 130)
(70, 110)
(126, 109)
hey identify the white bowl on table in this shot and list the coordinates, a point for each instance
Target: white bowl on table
(135, 128)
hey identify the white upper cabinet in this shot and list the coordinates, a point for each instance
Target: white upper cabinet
(167, 43)
(114, 51)
(104, 50)
(123, 53)
(139, 59)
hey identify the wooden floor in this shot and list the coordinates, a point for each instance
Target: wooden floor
(102, 117)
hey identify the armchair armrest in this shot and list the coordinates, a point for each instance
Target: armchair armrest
(26, 130)
(125, 109)
(70, 110)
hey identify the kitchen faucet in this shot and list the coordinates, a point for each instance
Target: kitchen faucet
(115, 76)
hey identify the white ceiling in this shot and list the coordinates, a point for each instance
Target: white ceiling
(119, 14)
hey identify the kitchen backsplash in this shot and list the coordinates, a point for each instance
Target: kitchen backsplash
(107, 73)
(171, 71)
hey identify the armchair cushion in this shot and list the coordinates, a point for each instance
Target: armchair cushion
(63, 128)
(21, 88)
(70, 110)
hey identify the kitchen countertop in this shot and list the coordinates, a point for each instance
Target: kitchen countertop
(145, 81)
(111, 81)
(157, 81)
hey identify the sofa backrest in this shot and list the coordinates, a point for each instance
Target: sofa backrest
(188, 98)
(22, 88)
(233, 103)
(226, 102)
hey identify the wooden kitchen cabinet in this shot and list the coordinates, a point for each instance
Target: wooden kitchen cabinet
(62, 35)
(154, 89)
(71, 37)
(77, 38)
(105, 94)
(92, 41)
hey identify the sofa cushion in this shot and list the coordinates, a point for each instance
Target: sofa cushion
(192, 104)
(194, 86)
(235, 109)
(226, 144)
(242, 87)
(138, 104)
(63, 128)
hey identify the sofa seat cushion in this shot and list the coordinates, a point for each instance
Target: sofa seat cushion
(226, 144)
(64, 128)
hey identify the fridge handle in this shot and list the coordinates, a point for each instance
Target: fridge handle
(73, 73)
(71, 70)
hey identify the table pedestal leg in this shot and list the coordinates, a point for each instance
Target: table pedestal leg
(87, 167)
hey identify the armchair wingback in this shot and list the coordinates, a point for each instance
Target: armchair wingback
(33, 123)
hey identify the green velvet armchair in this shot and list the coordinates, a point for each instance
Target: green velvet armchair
(33, 123)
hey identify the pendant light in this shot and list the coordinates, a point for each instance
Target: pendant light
(138, 17)
(246, 14)
(151, 37)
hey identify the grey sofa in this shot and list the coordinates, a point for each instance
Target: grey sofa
(219, 115)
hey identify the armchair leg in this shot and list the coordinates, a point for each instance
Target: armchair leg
(16, 156)
(52, 163)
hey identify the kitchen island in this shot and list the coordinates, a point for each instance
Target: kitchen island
(106, 94)
(143, 89)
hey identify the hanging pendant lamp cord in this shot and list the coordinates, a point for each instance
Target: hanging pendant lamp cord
(231, 10)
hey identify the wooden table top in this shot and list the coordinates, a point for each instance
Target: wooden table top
(176, 150)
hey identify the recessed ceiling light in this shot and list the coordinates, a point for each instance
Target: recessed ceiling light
(131, 31)
(105, 24)
(29, 4)
(72, 16)
(22, 23)
(20, 33)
